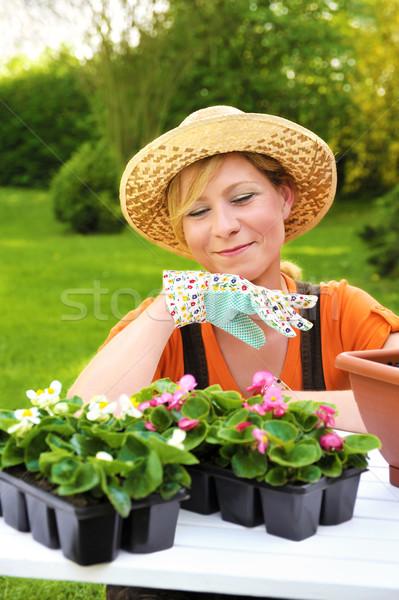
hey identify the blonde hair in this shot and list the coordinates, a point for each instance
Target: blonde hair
(200, 173)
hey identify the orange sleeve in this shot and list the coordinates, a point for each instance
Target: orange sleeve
(351, 319)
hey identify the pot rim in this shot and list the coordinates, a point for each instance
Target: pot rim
(371, 363)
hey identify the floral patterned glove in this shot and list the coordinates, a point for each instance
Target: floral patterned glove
(227, 300)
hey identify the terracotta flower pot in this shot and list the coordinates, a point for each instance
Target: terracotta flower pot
(375, 385)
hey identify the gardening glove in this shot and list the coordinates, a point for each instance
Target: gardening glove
(227, 300)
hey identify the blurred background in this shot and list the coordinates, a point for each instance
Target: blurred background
(84, 84)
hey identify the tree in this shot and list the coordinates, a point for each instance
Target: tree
(368, 139)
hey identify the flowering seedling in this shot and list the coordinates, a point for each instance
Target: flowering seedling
(88, 450)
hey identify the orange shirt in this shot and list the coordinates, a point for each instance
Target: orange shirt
(350, 320)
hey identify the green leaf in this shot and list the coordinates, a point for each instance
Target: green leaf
(56, 442)
(168, 490)
(230, 434)
(133, 451)
(226, 400)
(34, 449)
(164, 385)
(195, 408)
(239, 416)
(161, 418)
(277, 476)
(330, 465)
(249, 464)
(56, 425)
(357, 460)
(120, 500)
(361, 442)
(12, 454)
(86, 478)
(309, 474)
(145, 479)
(7, 419)
(86, 446)
(116, 467)
(299, 455)
(48, 459)
(212, 435)
(167, 453)
(65, 471)
(113, 439)
(177, 474)
(304, 420)
(281, 430)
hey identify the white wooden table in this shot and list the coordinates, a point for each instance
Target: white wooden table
(356, 560)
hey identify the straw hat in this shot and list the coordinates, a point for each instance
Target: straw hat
(216, 130)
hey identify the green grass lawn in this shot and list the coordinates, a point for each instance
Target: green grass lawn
(62, 292)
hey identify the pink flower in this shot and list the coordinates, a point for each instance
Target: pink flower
(258, 408)
(260, 382)
(148, 425)
(261, 436)
(147, 404)
(331, 442)
(177, 400)
(326, 415)
(187, 383)
(273, 401)
(187, 424)
(241, 426)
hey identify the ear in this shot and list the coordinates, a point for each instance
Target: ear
(288, 197)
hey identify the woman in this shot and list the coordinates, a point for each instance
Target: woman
(229, 189)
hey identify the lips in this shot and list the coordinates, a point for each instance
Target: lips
(234, 251)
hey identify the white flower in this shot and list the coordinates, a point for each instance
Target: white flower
(104, 456)
(100, 409)
(27, 417)
(47, 397)
(177, 439)
(128, 408)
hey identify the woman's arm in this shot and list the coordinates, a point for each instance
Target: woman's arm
(128, 362)
(349, 418)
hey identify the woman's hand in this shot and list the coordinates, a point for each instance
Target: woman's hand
(227, 300)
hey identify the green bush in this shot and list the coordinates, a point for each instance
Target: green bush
(44, 116)
(383, 237)
(85, 190)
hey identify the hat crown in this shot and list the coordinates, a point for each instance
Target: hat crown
(211, 111)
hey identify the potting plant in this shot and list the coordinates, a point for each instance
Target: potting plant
(269, 446)
(119, 470)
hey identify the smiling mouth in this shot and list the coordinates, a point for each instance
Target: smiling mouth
(234, 251)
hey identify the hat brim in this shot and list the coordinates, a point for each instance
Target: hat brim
(301, 152)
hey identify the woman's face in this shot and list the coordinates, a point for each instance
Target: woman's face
(237, 225)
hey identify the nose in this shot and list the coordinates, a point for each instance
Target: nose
(224, 221)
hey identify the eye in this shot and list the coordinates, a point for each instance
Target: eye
(197, 212)
(243, 198)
